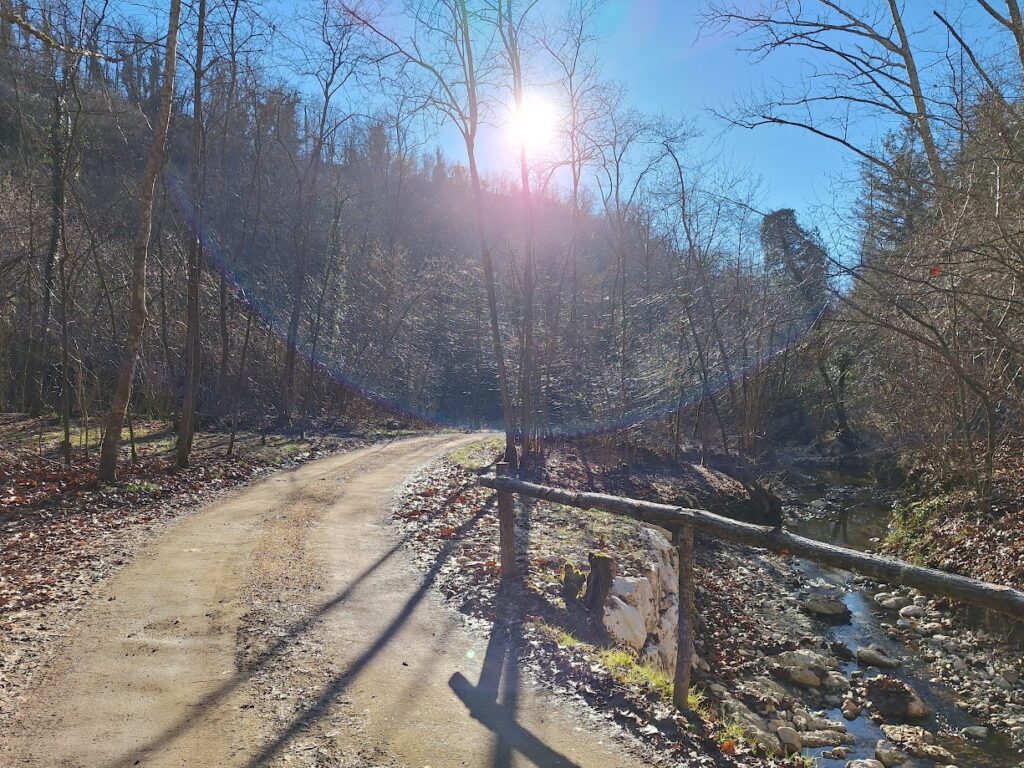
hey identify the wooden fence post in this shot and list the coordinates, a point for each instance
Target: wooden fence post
(684, 648)
(506, 529)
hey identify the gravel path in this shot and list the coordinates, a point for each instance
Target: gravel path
(286, 625)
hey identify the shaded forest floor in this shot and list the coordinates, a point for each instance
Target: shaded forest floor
(62, 535)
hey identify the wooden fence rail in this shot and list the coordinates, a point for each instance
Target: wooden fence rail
(682, 522)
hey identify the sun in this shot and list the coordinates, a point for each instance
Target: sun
(534, 124)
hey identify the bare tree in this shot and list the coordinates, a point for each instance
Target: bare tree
(140, 251)
(443, 49)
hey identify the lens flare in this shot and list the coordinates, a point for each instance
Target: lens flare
(534, 123)
(655, 405)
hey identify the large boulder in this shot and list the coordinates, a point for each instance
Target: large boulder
(668, 635)
(638, 592)
(624, 623)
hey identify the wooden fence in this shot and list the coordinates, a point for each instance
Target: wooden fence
(682, 522)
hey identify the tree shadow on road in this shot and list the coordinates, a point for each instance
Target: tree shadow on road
(494, 701)
(195, 714)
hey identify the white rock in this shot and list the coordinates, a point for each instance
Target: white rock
(624, 623)
(638, 593)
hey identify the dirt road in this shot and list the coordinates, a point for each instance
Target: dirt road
(285, 626)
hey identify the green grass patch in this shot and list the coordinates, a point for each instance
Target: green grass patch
(909, 524)
(629, 670)
(142, 487)
(560, 636)
(477, 455)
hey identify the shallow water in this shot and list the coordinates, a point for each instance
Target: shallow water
(862, 524)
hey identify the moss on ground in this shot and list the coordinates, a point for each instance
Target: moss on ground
(909, 524)
(477, 455)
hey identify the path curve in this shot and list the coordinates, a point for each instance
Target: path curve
(161, 672)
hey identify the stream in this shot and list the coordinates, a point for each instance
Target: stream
(858, 518)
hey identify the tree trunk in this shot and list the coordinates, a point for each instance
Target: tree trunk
(59, 137)
(140, 251)
(599, 583)
(186, 424)
(492, 306)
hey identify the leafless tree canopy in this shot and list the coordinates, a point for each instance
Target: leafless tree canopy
(295, 249)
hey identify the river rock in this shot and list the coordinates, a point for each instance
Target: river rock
(912, 612)
(864, 764)
(895, 603)
(975, 732)
(624, 623)
(825, 738)
(638, 592)
(803, 667)
(827, 607)
(790, 740)
(895, 699)
(850, 710)
(917, 742)
(889, 755)
(876, 656)
(803, 676)
(836, 682)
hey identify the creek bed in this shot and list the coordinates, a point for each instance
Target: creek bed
(858, 518)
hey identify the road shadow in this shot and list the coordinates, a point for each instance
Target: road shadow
(494, 701)
(292, 632)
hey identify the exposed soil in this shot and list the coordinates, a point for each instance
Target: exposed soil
(62, 536)
(286, 626)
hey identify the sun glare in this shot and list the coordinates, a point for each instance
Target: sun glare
(534, 124)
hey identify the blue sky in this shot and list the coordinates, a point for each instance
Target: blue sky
(656, 49)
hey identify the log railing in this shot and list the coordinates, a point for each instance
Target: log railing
(682, 522)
